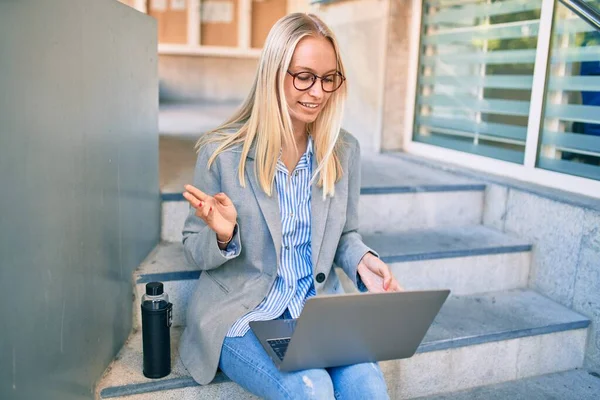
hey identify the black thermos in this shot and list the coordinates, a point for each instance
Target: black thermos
(157, 316)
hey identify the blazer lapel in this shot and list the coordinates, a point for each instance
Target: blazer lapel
(319, 211)
(269, 206)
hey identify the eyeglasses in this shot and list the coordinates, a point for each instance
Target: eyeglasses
(329, 83)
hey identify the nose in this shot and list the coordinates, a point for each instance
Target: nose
(316, 90)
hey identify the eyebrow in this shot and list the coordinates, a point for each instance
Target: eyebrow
(312, 70)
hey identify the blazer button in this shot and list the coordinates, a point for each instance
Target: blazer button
(320, 277)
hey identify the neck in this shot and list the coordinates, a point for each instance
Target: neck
(290, 155)
(300, 134)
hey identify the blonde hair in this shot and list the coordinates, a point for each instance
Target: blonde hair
(263, 119)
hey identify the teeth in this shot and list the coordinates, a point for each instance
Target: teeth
(310, 105)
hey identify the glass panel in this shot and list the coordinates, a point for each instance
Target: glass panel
(476, 73)
(595, 4)
(571, 131)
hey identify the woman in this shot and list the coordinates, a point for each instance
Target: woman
(273, 206)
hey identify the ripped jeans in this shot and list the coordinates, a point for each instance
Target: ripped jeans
(245, 362)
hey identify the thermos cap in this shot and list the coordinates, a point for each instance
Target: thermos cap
(154, 288)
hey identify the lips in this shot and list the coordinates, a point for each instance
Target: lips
(309, 106)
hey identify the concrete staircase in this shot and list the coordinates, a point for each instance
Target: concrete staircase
(427, 225)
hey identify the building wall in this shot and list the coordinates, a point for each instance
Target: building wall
(565, 232)
(361, 29)
(79, 208)
(397, 74)
(205, 78)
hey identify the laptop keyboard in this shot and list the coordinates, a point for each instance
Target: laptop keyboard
(279, 346)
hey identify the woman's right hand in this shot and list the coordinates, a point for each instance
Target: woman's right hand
(218, 211)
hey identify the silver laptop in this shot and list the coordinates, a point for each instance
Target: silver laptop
(336, 330)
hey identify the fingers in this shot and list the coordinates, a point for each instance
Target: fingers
(194, 202)
(395, 286)
(387, 277)
(390, 284)
(376, 289)
(197, 193)
(204, 209)
(384, 271)
(197, 198)
(378, 277)
(223, 199)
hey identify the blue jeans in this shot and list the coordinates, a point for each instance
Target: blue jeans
(245, 362)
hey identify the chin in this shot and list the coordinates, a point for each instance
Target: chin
(304, 118)
(308, 119)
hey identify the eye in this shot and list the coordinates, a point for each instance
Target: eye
(305, 76)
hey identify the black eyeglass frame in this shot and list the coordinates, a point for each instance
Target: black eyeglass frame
(315, 76)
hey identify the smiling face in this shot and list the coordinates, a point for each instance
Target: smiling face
(316, 55)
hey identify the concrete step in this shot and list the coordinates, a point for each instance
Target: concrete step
(220, 391)
(476, 340)
(569, 385)
(465, 260)
(189, 120)
(396, 195)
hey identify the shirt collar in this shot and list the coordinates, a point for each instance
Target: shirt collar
(305, 160)
(309, 146)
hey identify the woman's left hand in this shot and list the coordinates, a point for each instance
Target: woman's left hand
(376, 275)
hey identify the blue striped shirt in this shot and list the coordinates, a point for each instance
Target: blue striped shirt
(294, 282)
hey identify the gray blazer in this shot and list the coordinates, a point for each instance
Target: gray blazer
(229, 287)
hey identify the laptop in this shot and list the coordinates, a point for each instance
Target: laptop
(337, 330)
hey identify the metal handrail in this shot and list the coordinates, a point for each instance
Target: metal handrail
(583, 10)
